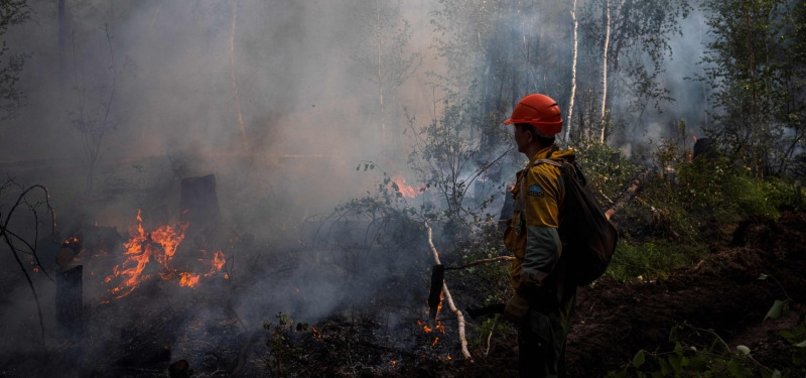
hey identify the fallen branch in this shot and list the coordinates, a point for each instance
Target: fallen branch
(627, 195)
(459, 316)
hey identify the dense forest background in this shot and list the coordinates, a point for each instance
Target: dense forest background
(336, 130)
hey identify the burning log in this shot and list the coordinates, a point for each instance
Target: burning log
(459, 317)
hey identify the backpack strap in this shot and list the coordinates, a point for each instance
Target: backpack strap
(548, 161)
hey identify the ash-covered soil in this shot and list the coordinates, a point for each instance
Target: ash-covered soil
(613, 321)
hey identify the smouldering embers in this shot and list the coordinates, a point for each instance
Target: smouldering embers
(160, 246)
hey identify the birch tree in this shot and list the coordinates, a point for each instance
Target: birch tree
(606, 49)
(570, 118)
(383, 59)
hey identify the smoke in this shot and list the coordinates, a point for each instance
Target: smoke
(265, 95)
(278, 100)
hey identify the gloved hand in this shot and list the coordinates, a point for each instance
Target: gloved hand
(516, 308)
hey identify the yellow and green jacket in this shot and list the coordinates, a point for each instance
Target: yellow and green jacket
(532, 233)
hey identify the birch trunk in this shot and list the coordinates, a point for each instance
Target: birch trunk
(573, 72)
(604, 70)
(380, 73)
(236, 95)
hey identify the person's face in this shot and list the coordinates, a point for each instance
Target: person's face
(522, 138)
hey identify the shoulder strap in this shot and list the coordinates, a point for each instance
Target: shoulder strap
(548, 161)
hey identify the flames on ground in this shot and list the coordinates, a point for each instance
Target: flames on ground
(158, 246)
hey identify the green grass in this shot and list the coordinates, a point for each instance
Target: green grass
(652, 260)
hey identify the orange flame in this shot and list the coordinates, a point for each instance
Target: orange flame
(218, 263)
(407, 191)
(159, 245)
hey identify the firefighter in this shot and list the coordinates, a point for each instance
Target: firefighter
(544, 299)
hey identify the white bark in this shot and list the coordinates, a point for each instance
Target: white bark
(236, 95)
(460, 318)
(570, 118)
(604, 69)
(380, 72)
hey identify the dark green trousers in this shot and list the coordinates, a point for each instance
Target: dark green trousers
(541, 340)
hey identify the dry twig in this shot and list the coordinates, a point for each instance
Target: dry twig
(459, 316)
(7, 235)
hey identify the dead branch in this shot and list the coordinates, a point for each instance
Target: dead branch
(459, 316)
(7, 235)
(632, 190)
(490, 336)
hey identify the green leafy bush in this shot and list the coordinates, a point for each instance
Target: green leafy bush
(700, 353)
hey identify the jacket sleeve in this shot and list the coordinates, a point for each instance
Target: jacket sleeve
(543, 246)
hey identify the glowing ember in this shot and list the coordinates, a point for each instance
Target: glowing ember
(315, 333)
(188, 279)
(424, 326)
(218, 262)
(439, 327)
(69, 241)
(406, 190)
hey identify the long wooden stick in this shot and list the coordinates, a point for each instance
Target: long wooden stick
(459, 316)
(481, 262)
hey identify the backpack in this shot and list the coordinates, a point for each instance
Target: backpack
(588, 238)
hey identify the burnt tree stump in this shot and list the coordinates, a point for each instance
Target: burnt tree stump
(70, 301)
(200, 210)
(705, 148)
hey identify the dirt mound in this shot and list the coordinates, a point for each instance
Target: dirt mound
(723, 292)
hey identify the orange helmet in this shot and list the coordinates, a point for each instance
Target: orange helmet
(540, 111)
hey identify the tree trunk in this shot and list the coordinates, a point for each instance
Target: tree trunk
(236, 94)
(380, 73)
(573, 72)
(604, 71)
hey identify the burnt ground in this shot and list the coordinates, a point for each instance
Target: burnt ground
(722, 292)
(613, 321)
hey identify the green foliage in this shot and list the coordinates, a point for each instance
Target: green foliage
(652, 260)
(683, 197)
(796, 337)
(755, 64)
(690, 358)
(606, 169)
